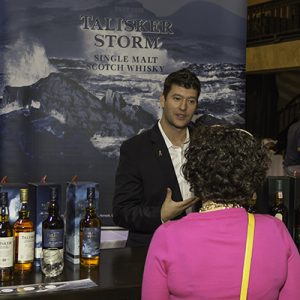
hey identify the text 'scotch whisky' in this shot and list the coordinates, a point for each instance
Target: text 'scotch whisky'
(24, 236)
(90, 230)
(6, 241)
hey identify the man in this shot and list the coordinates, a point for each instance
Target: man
(292, 155)
(150, 187)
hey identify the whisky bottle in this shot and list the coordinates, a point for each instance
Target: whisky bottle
(90, 230)
(279, 210)
(24, 236)
(6, 242)
(52, 258)
(251, 205)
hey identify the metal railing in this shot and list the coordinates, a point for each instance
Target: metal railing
(273, 21)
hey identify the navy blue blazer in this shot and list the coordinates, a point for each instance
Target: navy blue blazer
(144, 173)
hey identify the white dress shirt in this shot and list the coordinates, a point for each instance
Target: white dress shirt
(178, 159)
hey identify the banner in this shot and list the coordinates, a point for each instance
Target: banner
(79, 77)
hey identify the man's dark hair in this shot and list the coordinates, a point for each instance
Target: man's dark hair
(184, 78)
(224, 164)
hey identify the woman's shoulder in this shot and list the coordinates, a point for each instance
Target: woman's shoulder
(175, 225)
(268, 219)
(270, 224)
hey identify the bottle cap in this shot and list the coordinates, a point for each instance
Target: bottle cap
(24, 195)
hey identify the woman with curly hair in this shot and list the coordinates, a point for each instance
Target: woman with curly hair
(202, 255)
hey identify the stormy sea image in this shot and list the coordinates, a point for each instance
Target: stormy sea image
(66, 115)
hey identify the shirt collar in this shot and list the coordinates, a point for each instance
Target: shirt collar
(168, 142)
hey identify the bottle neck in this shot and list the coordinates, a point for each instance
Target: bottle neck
(4, 216)
(90, 209)
(24, 212)
(53, 208)
(279, 198)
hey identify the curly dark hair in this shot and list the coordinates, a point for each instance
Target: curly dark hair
(224, 164)
(184, 78)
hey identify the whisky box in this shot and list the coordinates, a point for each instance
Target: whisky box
(13, 193)
(39, 198)
(76, 202)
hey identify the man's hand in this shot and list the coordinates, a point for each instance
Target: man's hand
(171, 209)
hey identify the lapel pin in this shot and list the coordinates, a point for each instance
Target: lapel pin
(159, 153)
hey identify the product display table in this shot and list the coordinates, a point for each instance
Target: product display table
(119, 277)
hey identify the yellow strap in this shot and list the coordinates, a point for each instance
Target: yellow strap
(248, 257)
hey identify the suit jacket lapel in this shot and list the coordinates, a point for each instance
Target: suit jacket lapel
(161, 152)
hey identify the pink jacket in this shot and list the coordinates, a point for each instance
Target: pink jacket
(201, 257)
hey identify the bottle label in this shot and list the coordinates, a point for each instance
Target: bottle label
(26, 247)
(279, 216)
(6, 252)
(90, 242)
(52, 262)
(53, 238)
(52, 256)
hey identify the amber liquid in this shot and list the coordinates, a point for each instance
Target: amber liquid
(90, 221)
(6, 274)
(23, 224)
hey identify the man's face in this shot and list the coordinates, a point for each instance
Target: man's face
(179, 106)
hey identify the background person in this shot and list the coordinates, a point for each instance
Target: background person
(149, 185)
(201, 256)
